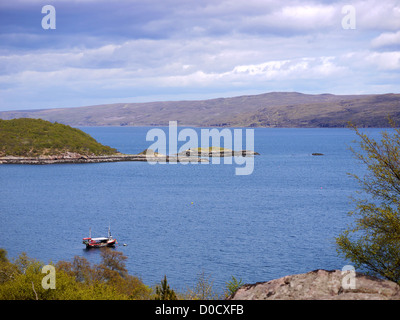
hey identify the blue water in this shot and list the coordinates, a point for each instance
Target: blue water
(282, 219)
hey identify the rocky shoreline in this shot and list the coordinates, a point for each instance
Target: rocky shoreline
(71, 157)
(320, 285)
(147, 155)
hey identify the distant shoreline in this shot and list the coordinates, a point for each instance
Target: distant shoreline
(70, 157)
(77, 158)
(266, 110)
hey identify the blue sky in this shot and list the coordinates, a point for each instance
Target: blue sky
(134, 51)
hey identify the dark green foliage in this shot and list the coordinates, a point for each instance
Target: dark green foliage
(233, 285)
(3, 255)
(163, 291)
(35, 137)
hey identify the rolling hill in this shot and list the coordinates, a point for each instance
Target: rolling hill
(274, 109)
(36, 137)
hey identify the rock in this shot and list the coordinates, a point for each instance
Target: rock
(319, 285)
(317, 154)
(152, 153)
(70, 157)
(216, 152)
(153, 156)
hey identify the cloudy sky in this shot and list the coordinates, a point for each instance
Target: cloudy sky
(146, 50)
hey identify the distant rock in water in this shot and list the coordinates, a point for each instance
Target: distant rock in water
(317, 154)
(151, 152)
(151, 155)
(320, 285)
(217, 152)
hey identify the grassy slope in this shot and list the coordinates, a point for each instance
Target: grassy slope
(274, 109)
(34, 137)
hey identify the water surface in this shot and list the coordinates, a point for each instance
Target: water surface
(180, 220)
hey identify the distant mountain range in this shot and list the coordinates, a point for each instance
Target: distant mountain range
(274, 109)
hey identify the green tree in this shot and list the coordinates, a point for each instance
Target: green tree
(7, 269)
(164, 292)
(372, 242)
(232, 286)
(3, 255)
(112, 270)
(80, 269)
(113, 261)
(22, 280)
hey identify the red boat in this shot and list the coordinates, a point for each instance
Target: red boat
(99, 242)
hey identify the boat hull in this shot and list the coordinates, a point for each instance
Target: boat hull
(93, 244)
(100, 242)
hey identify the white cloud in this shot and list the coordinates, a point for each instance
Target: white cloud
(307, 16)
(387, 39)
(384, 60)
(378, 15)
(173, 47)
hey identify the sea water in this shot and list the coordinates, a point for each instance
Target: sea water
(183, 220)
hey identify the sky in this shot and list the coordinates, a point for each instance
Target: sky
(154, 50)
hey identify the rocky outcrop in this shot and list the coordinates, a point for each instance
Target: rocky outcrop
(146, 155)
(218, 153)
(70, 157)
(320, 285)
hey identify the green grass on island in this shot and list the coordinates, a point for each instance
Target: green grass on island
(27, 137)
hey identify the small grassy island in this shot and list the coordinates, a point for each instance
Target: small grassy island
(37, 141)
(26, 137)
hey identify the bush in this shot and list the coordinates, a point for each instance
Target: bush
(22, 280)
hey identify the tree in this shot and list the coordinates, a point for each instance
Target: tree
(232, 286)
(3, 255)
(113, 262)
(22, 280)
(112, 271)
(163, 291)
(203, 289)
(373, 241)
(80, 269)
